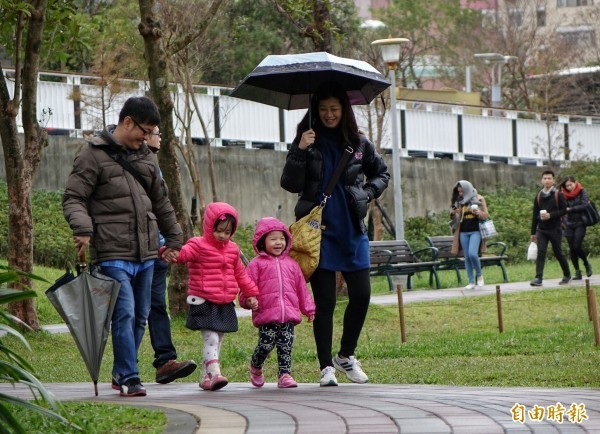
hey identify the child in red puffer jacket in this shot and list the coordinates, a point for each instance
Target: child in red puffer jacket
(216, 275)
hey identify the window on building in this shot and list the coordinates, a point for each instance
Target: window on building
(515, 17)
(541, 17)
(569, 3)
(577, 36)
(488, 18)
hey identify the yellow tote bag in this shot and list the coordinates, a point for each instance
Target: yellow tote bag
(306, 232)
(306, 241)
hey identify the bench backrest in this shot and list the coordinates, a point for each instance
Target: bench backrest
(390, 252)
(444, 245)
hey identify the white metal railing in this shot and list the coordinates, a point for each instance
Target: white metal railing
(432, 129)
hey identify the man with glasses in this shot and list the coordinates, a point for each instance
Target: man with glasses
(116, 202)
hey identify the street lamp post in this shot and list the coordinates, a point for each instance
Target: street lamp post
(390, 52)
(497, 61)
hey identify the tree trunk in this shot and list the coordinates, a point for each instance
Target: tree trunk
(157, 60)
(158, 75)
(21, 162)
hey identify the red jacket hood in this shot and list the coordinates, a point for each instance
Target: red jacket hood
(217, 211)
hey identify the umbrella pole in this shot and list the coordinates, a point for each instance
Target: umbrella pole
(96, 387)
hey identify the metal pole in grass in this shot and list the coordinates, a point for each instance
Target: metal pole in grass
(587, 293)
(592, 300)
(499, 305)
(401, 313)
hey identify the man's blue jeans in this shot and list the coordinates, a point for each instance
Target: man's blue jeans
(129, 320)
(470, 242)
(159, 323)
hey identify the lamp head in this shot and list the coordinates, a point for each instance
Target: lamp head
(390, 50)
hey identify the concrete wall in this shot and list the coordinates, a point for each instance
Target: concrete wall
(249, 179)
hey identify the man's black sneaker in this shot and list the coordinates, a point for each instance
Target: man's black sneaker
(536, 282)
(133, 387)
(115, 385)
(577, 275)
(564, 280)
(588, 269)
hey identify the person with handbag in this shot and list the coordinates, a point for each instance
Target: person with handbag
(327, 131)
(575, 228)
(282, 299)
(115, 202)
(468, 209)
(549, 206)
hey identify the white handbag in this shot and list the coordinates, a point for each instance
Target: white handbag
(532, 251)
(487, 229)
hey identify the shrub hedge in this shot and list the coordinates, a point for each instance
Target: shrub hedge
(510, 208)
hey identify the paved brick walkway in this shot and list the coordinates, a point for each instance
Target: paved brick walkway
(349, 408)
(352, 409)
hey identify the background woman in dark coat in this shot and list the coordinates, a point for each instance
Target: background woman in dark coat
(577, 199)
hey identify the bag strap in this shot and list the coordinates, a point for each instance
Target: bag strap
(127, 166)
(555, 198)
(348, 151)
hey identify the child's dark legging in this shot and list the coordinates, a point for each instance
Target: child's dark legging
(322, 283)
(574, 236)
(275, 335)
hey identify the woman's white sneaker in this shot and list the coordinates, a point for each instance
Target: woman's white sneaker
(328, 377)
(351, 367)
(470, 286)
(480, 281)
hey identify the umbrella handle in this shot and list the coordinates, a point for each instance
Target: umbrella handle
(82, 262)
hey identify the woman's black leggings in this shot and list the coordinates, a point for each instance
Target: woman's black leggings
(574, 236)
(359, 296)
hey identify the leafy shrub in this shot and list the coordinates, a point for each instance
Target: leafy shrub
(52, 237)
(15, 369)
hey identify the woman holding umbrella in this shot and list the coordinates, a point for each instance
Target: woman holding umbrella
(310, 163)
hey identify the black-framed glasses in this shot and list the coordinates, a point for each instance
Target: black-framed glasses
(155, 134)
(145, 131)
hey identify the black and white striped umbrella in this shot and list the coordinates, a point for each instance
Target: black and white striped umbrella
(288, 81)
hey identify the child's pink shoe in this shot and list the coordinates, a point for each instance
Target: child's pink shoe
(286, 381)
(256, 376)
(218, 381)
(205, 383)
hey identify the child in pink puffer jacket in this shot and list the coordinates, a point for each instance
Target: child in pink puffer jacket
(282, 299)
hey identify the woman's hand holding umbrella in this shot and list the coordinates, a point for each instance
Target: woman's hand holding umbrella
(308, 139)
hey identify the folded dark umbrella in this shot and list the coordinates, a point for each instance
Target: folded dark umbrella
(85, 303)
(288, 81)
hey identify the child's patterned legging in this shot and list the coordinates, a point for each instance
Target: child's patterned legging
(211, 349)
(275, 335)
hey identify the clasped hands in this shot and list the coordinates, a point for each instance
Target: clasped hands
(169, 255)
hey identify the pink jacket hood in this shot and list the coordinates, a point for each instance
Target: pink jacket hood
(282, 292)
(270, 224)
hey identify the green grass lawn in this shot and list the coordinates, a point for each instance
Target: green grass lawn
(547, 340)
